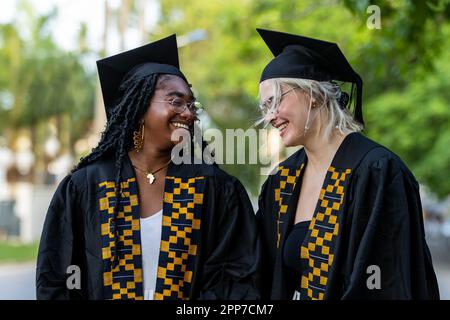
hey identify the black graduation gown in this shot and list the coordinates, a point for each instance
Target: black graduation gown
(208, 242)
(368, 213)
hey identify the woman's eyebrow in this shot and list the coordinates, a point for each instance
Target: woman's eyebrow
(180, 94)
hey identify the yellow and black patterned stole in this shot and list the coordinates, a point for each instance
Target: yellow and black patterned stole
(124, 281)
(317, 252)
(182, 209)
(287, 178)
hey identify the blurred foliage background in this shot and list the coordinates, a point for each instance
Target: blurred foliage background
(405, 66)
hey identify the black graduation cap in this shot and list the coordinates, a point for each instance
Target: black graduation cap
(157, 57)
(306, 58)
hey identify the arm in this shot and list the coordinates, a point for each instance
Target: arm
(231, 270)
(267, 238)
(56, 245)
(388, 215)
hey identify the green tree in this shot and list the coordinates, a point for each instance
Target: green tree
(397, 62)
(41, 82)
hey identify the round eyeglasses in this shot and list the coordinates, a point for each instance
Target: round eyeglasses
(270, 107)
(179, 105)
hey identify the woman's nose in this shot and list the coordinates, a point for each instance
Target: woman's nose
(188, 114)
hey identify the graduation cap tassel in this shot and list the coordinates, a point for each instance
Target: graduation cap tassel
(358, 105)
(352, 95)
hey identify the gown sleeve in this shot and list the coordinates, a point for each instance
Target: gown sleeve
(265, 222)
(387, 231)
(231, 269)
(56, 248)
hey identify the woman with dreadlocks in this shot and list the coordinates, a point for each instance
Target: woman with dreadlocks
(131, 222)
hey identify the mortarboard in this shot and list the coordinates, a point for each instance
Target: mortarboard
(307, 58)
(157, 57)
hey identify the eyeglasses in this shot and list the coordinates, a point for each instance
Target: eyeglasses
(269, 107)
(179, 105)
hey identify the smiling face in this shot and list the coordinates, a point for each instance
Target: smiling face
(161, 120)
(291, 115)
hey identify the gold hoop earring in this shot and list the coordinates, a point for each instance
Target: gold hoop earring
(138, 138)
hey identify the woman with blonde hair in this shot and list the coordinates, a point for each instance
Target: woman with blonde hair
(341, 218)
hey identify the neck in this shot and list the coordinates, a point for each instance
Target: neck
(149, 158)
(321, 151)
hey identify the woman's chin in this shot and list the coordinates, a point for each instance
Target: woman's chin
(289, 142)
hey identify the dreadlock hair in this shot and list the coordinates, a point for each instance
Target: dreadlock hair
(134, 95)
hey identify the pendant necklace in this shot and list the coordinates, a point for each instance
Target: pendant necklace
(151, 174)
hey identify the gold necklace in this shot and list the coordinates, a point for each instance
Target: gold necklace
(151, 174)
